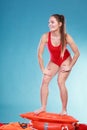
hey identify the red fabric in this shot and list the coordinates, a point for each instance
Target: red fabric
(55, 52)
(1, 124)
(82, 127)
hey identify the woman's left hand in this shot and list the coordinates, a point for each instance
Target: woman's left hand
(65, 68)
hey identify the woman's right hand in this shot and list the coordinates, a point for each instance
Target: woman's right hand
(46, 71)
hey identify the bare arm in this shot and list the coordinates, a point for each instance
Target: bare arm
(41, 46)
(74, 48)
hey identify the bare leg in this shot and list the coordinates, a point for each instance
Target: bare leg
(53, 68)
(64, 98)
(63, 90)
(43, 94)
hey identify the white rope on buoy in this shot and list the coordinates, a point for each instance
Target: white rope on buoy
(64, 128)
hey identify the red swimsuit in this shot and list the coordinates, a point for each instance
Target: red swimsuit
(56, 51)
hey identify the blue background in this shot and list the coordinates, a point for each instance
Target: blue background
(22, 22)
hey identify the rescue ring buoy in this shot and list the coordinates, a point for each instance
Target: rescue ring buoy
(49, 117)
(52, 126)
(50, 121)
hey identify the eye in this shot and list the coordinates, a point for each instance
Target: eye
(51, 22)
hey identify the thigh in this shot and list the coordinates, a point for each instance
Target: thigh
(52, 68)
(62, 76)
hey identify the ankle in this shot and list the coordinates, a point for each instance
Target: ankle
(43, 107)
(64, 109)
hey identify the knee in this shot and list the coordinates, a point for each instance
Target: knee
(46, 79)
(61, 82)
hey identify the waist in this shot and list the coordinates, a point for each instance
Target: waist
(58, 59)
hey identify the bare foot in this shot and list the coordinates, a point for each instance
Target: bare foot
(40, 110)
(63, 113)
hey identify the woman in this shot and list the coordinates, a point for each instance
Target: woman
(60, 62)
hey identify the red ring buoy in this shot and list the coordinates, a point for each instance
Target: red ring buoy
(50, 121)
(52, 126)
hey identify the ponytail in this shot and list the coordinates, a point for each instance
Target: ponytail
(62, 31)
(60, 18)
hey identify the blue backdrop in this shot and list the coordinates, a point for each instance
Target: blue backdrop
(22, 22)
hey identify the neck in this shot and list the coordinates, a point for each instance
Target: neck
(55, 33)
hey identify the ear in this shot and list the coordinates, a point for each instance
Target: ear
(60, 24)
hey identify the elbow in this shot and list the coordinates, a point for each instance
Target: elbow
(77, 54)
(39, 56)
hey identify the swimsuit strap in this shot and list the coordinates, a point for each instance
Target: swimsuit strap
(49, 37)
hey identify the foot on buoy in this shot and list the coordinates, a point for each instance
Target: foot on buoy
(40, 110)
(63, 113)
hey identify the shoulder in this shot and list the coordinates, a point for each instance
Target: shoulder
(43, 41)
(68, 38)
(44, 37)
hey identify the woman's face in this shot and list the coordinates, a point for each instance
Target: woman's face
(53, 24)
